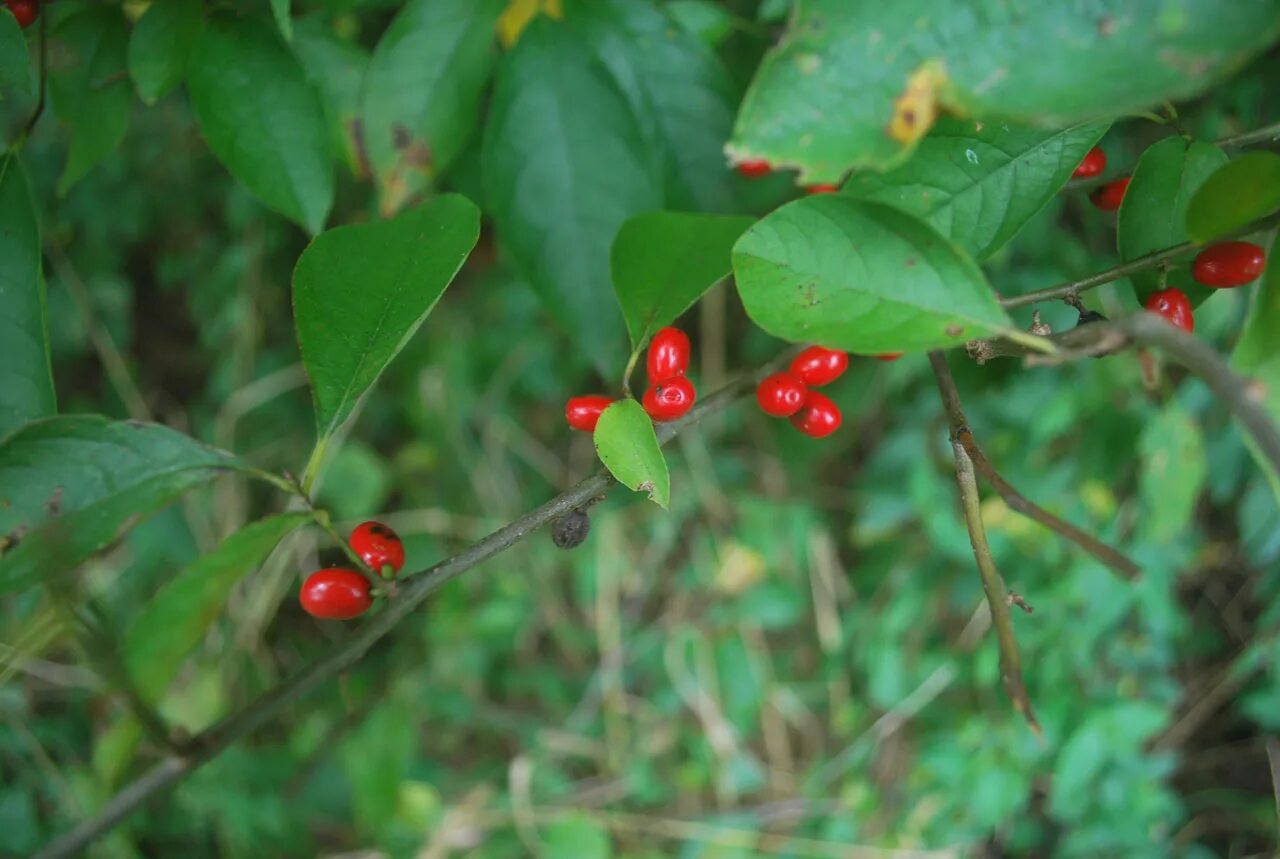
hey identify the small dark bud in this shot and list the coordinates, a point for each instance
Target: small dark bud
(1087, 316)
(571, 529)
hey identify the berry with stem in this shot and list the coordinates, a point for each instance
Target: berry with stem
(668, 355)
(379, 546)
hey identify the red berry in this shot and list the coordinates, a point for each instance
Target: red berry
(781, 395)
(583, 413)
(822, 188)
(1172, 304)
(890, 356)
(754, 168)
(669, 399)
(26, 11)
(817, 366)
(668, 354)
(378, 546)
(1095, 161)
(1229, 264)
(335, 594)
(1109, 197)
(819, 418)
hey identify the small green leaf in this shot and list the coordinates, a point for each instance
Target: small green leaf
(705, 20)
(663, 262)
(861, 276)
(422, 95)
(280, 11)
(628, 447)
(1154, 212)
(90, 88)
(978, 181)
(336, 66)
(177, 618)
(360, 292)
(577, 836)
(1258, 356)
(69, 486)
(1238, 193)
(1173, 473)
(565, 164)
(161, 46)
(26, 382)
(263, 119)
(15, 62)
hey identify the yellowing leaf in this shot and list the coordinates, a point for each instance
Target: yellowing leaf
(915, 110)
(519, 13)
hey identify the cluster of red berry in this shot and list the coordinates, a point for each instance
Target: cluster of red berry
(756, 168)
(337, 593)
(1221, 266)
(789, 394)
(669, 396)
(26, 11)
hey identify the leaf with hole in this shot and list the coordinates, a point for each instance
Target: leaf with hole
(361, 291)
(26, 381)
(628, 447)
(1235, 195)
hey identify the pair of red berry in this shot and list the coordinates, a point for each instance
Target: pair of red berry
(337, 593)
(1222, 266)
(26, 11)
(755, 168)
(669, 396)
(789, 394)
(1107, 197)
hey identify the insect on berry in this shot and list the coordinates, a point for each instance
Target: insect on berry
(670, 399)
(1229, 264)
(822, 188)
(753, 168)
(571, 529)
(583, 413)
(26, 11)
(819, 418)
(1173, 305)
(335, 594)
(1093, 163)
(817, 366)
(781, 395)
(1109, 197)
(668, 354)
(378, 546)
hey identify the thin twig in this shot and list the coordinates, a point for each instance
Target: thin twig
(992, 584)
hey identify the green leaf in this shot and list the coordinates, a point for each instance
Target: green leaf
(69, 486)
(26, 381)
(284, 23)
(861, 276)
(360, 292)
(161, 46)
(1258, 356)
(857, 84)
(1174, 468)
(628, 447)
(677, 89)
(1236, 194)
(663, 262)
(705, 20)
(177, 618)
(423, 91)
(15, 63)
(978, 181)
(263, 119)
(336, 67)
(577, 836)
(564, 165)
(89, 87)
(1154, 212)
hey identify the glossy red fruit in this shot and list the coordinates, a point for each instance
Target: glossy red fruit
(781, 395)
(335, 594)
(583, 413)
(668, 354)
(818, 366)
(822, 188)
(1094, 162)
(26, 11)
(378, 546)
(819, 417)
(754, 168)
(890, 356)
(669, 399)
(1173, 305)
(1109, 197)
(1229, 264)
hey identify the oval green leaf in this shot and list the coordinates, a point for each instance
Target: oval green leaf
(1238, 193)
(1174, 469)
(978, 181)
(263, 119)
(863, 277)
(15, 63)
(628, 447)
(161, 46)
(1154, 212)
(336, 66)
(422, 94)
(360, 292)
(177, 618)
(663, 262)
(69, 486)
(26, 381)
(565, 164)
